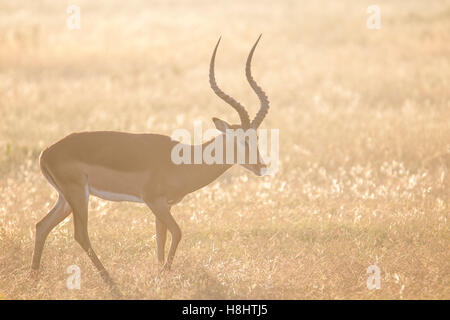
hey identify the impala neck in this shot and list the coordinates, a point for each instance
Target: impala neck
(203, 174)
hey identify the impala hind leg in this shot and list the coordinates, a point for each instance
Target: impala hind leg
(57, 214)
(78, 198)
(161, 210)
(161, 236)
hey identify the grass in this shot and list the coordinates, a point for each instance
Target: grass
(364, 119)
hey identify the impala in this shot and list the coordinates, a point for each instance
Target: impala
(120, 166)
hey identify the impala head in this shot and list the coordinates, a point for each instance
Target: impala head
(243, 145)
(243, 135)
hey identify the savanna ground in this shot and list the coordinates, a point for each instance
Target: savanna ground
(364, 119)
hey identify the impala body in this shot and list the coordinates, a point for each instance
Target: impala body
(120, 166)
(141, 169)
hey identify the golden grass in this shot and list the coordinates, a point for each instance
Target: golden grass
(364, 120)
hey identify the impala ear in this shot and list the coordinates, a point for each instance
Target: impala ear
(221, 125)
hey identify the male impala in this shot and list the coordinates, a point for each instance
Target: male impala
(121, 166)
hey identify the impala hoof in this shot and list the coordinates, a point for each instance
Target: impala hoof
(116, 292)
(34, 274)
(165, 269)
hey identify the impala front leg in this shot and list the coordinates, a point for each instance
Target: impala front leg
(161, 209)
(161, 236)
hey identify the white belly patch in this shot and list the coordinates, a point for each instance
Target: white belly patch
(112, 196)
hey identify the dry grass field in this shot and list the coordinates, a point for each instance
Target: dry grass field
(364, 119)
